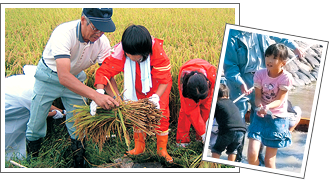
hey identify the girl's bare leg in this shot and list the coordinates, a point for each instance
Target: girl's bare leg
(253, 151)
(270, 157)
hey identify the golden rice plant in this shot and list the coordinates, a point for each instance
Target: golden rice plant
(188, 33)
(198, 163)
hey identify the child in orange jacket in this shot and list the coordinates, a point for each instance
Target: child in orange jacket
(196, 84)
(147, 74)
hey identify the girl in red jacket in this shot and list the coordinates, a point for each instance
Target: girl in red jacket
(147, 74)
(196, 84)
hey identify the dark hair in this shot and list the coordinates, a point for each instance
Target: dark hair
(223, 91)
(195, 86)
(136, 40)
(278, 50)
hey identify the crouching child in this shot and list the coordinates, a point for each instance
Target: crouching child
(231, 126)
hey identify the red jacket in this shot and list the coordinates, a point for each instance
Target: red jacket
(197, 113)
(159, 64)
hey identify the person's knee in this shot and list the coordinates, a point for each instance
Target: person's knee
(270, 162)
(252, 154)
(253, 149)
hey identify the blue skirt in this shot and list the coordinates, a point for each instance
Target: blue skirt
(270, 132)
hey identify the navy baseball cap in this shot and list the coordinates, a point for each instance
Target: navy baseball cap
(100, 18)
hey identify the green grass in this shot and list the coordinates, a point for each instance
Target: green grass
(56, 152)
(188, 33)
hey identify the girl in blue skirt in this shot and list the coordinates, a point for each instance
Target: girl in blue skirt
(270, 124)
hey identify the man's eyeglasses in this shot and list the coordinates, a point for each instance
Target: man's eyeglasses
(96, 31)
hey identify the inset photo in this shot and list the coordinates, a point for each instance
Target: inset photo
(265, 100)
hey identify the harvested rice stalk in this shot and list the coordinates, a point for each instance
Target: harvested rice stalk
(142, 114)
(198, 163)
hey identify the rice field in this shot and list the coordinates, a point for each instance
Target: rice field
(188, 33)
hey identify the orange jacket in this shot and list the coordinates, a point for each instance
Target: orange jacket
(159, 64)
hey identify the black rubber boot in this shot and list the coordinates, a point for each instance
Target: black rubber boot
(78, 150)
(32, 148)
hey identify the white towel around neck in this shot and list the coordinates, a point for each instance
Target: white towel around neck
(129, 78)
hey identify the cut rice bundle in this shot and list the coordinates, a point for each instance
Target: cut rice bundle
(141, 114)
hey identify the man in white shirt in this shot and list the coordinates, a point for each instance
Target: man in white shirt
(72, 47)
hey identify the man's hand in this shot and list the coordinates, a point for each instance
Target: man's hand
(245, 90)
(104, 101)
